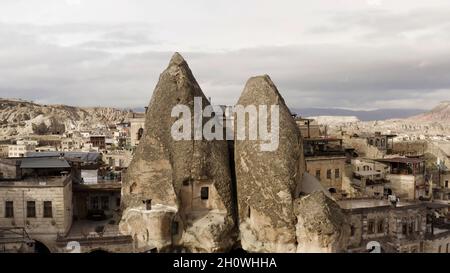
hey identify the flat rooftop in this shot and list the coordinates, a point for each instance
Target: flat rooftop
(401, 160)
(370, 203)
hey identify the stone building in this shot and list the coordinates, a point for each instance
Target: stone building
(44, 202)
(137, 126)
(396, 229)
(404, 227)
(20, 150)
(4, 150)
(309, 128)
(383, 142)
(406, 176)
(325, 159)
(38, 199)
(369, 178)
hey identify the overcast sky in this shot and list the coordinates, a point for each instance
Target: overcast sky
(353, 54)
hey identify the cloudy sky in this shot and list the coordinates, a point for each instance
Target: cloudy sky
(354, 54)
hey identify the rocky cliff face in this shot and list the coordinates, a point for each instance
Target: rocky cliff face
(19, 117)
(178, 194)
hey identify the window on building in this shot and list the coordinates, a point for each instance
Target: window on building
(9, 209)
(411, 227)
(336, 173)
(446, 183)
(94, 202)
(371, 227)
(31, 209)
(118, 202)
(175, 226)
(380, 226)
(204, 193)
(439, 249)
(328, 174)
(404, 229)
(105, 202)
(48, 209)
(318, 174)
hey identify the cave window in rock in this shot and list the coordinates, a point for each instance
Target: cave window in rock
(332, 190)
(133, 188)
(204, 193)
(186, 182)
(140, 133)
(248, 212)
(175, 226)
(148, 204)
(318, 174)
(352, 230)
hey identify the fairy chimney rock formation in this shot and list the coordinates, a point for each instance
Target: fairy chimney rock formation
(177, 193)
(266, 180)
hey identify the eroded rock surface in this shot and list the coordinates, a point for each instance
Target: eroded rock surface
(161, 196)
(322, 226)
(266, 180)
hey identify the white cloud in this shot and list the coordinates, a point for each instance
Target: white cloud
(348, 54)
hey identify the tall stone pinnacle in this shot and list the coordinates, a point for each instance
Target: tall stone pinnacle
(178, 193)
(266, 180)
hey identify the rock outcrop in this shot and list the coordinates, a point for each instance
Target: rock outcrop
(178, 194)
(281, 207)
(24, 118)
(267, 180)
(322, 227)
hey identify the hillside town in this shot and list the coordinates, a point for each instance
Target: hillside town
(115, 181)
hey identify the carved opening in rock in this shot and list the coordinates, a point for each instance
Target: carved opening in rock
(148, 204)
(204, 193)
(248, 212)
(140, 133)
(332, 190)
(133, 188)
(186, 182)
(352, 230)
(175, 226)
(148, 235)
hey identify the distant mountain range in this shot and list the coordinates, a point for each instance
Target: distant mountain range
(379, 114)
(440, 113)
